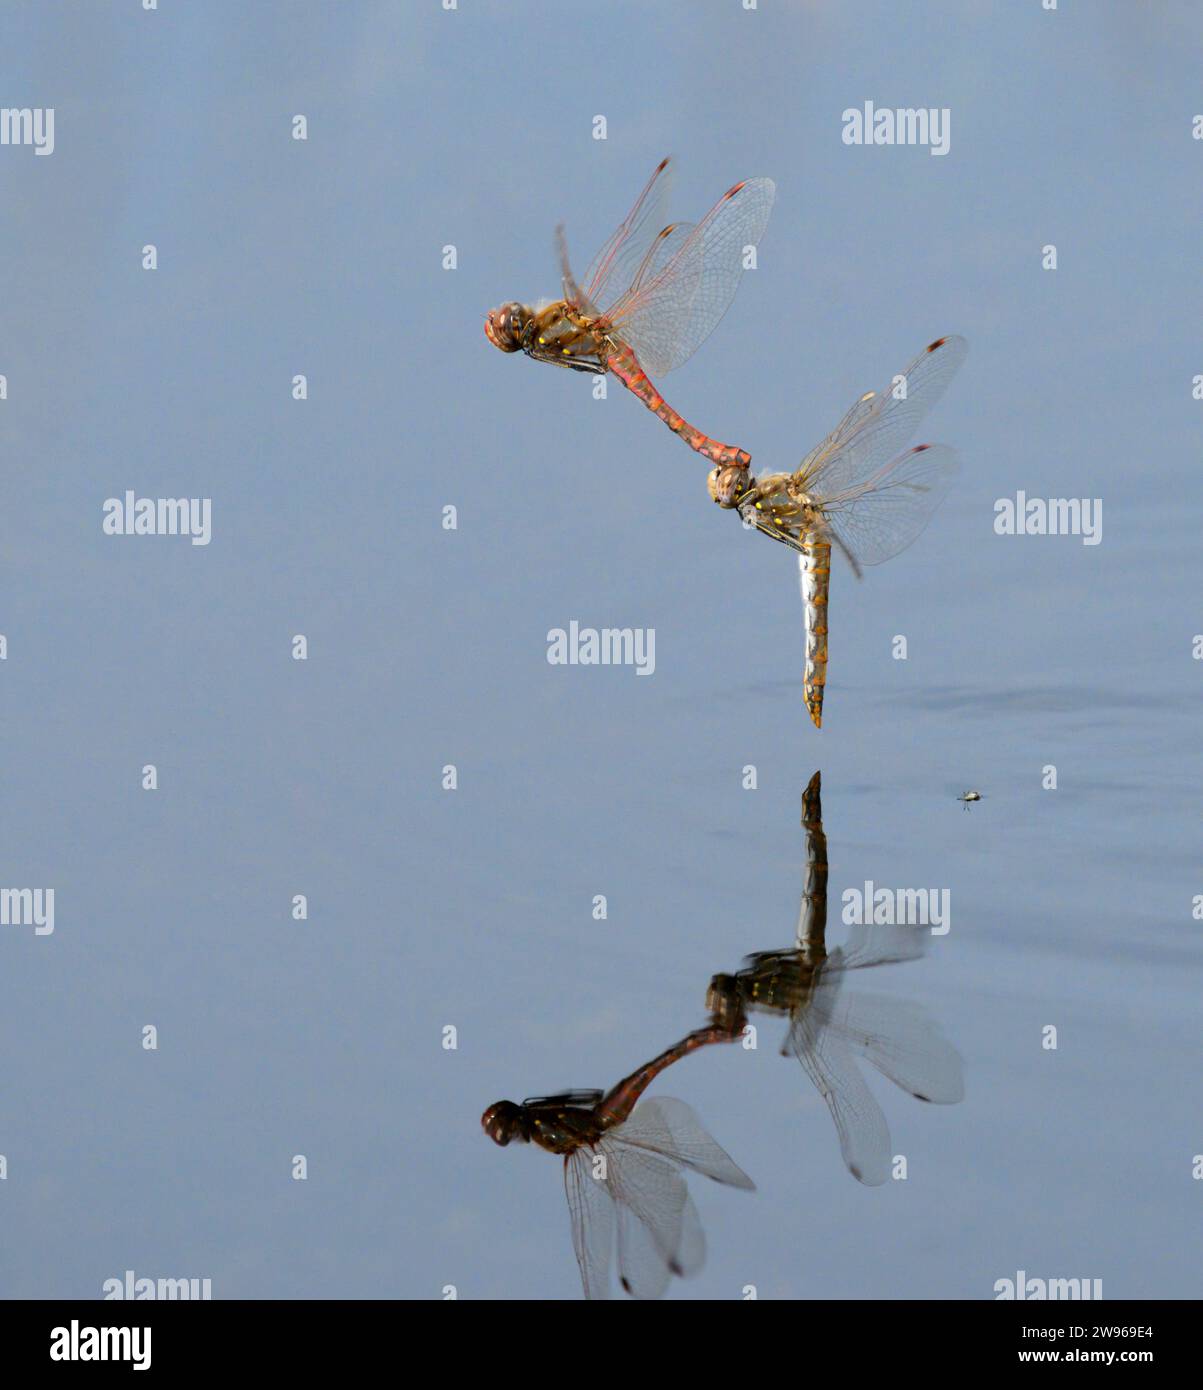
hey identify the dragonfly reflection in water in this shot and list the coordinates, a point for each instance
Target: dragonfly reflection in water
(830, 1027)
(622, 1167)
(854, 491)
(652, 296)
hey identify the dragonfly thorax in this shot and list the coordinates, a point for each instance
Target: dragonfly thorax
(557, 333)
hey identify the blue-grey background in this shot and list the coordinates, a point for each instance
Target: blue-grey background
(472, 909)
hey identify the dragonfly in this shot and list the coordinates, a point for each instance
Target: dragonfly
(829, 1028)
(651, 297)
(854, 491)
(622, 1171)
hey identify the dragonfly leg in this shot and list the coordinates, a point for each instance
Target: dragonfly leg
(558, 358)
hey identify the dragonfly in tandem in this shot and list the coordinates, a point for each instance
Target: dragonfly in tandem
(622, 1171)
(650, 298)
(855, 491)
(829, 1027)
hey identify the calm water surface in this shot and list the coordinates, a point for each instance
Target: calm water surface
(473, 910)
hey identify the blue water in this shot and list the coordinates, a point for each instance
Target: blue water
(472, 910)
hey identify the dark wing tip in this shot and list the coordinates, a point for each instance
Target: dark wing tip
(938, 343)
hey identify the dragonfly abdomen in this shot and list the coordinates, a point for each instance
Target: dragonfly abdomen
(815, 563)
(625, 366)
(617, 1105)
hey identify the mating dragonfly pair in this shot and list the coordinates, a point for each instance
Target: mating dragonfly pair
(651, 297)
(623, 1156)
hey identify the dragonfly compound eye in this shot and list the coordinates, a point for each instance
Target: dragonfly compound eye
(503, 327)
(500, 1121)
(728, 484)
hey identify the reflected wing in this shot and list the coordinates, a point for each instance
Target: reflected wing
(659, 1231)
(904, 1044)
(859, 1122)
(616, 264)
(880, 425)
(691, 278)
(591, 1209)
(667, 1126)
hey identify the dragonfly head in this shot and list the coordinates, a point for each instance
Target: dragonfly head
(504, 327)
(728, 484)
(503, 1122)
(724, 1000)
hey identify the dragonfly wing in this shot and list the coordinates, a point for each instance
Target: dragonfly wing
(678, 303)
(902, 1041)
(670, 1127)
(591, 1208)
(881, 424)
(843, 430)
(616, 264)
(572, 291)
(861, 1126)
(667, 243)
(584, 1099)
(659, 1231)
(883, 515)
(871, 944)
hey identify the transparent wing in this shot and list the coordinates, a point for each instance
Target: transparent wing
(591, 1209)
(667, 243)
(861, 1126)
(659, 1231)
(884, 514)
(691, 279)
(903, 1043)
(615, 265)
(880, 425)
(859, 411)
(869, 945)
(667, 1126)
